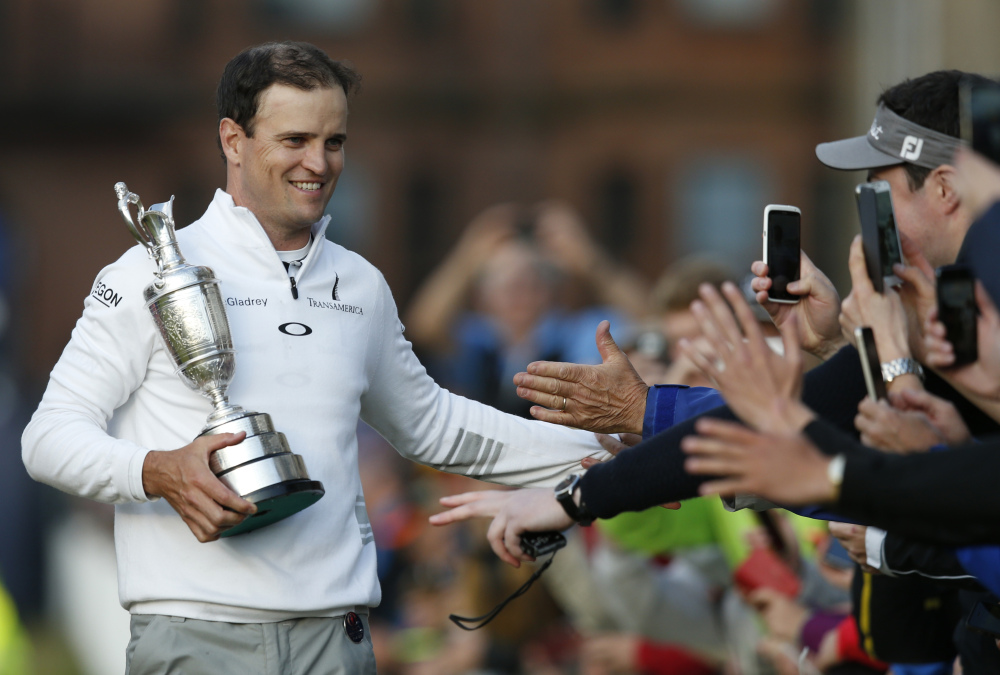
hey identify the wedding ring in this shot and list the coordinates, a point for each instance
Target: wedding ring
(564, 404)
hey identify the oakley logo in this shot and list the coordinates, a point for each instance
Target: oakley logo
(295, 329)
(911, 148)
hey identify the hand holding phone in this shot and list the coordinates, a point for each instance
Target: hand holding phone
(878, 233)
(782, 244)
(870, 364)
(956, 295)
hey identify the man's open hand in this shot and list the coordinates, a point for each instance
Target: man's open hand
(608, 399)
(184, 479)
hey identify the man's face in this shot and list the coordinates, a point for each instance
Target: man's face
(917, 216)
(286, 173)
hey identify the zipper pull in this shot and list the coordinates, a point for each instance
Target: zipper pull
(295, 289)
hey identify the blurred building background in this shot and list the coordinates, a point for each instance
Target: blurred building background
(668, 124)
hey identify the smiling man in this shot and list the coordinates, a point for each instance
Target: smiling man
(319, 346)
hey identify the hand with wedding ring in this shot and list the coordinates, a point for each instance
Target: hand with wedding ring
(609, 398)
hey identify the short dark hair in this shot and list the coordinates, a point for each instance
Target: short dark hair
(253, 70)
(931, 101)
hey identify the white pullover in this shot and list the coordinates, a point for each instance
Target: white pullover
(317, 364)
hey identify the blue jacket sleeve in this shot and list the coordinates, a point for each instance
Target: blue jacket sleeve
(668, 404)
(982, 562)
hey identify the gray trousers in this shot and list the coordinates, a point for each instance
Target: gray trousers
(320, 646)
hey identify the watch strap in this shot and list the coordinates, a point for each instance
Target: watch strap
(906, 366)
(564, 495)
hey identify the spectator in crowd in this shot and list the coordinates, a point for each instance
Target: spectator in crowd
(494, 304)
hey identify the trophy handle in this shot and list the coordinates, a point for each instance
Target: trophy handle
(125, 200)
(154, 229)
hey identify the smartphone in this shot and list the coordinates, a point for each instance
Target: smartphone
(979, 115)
(878, 233)
(956, 294)
(837, 556)
(985, 618)
(782, 242)
(870, 365)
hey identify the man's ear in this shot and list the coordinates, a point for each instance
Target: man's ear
(943, 183)
(232, 137)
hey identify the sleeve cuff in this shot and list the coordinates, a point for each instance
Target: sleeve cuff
(133, 476)
(875, 548)
(661, 401)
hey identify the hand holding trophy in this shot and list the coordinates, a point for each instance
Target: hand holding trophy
(186, 306)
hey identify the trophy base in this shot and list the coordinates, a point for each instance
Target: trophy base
(277, 502)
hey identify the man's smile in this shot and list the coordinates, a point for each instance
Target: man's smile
(307, 186)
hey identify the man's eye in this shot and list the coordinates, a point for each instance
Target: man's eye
(335, 144)
(294, 140)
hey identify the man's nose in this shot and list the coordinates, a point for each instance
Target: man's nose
(315, 159)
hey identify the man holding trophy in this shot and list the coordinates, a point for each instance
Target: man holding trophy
(272, 315)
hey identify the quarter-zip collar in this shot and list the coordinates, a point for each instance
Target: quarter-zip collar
(239, 226)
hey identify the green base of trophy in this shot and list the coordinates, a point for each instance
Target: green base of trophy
(277, 502)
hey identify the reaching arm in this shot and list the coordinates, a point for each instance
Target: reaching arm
(432, 426)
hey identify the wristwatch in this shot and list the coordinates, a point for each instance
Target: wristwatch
(564, 495)
(893, 369)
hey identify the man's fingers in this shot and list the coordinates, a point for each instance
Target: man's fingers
(215, 442)
(759, 268)
(228, 499)
(733, 432)
(552, 416)
(570, 372)
(694, 355)
(724, 319)
(495, 536)
(747, 320)
(914, 256)
(713, 465)
(610, 443)
(542, 384)
(459, 514)
(462, 498)
(857, 267)
(724, 487)
(606, 345)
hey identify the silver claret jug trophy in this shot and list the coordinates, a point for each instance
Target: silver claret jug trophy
(186, 306)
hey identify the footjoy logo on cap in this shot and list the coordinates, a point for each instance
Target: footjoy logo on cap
(911, 148)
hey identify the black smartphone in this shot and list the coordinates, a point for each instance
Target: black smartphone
(870, 365)
(878, 233)
(985, 618)
(979, 115)
(956, 295)
(782, 242)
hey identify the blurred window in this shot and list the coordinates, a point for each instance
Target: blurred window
(720, 209)
(618, 210)
(427, 18)
(729, 13)
(334, 17)
(615, 13)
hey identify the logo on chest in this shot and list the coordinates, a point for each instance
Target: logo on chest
(246, 302)
(335, 302)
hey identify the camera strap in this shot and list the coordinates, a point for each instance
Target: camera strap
(477, 622)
